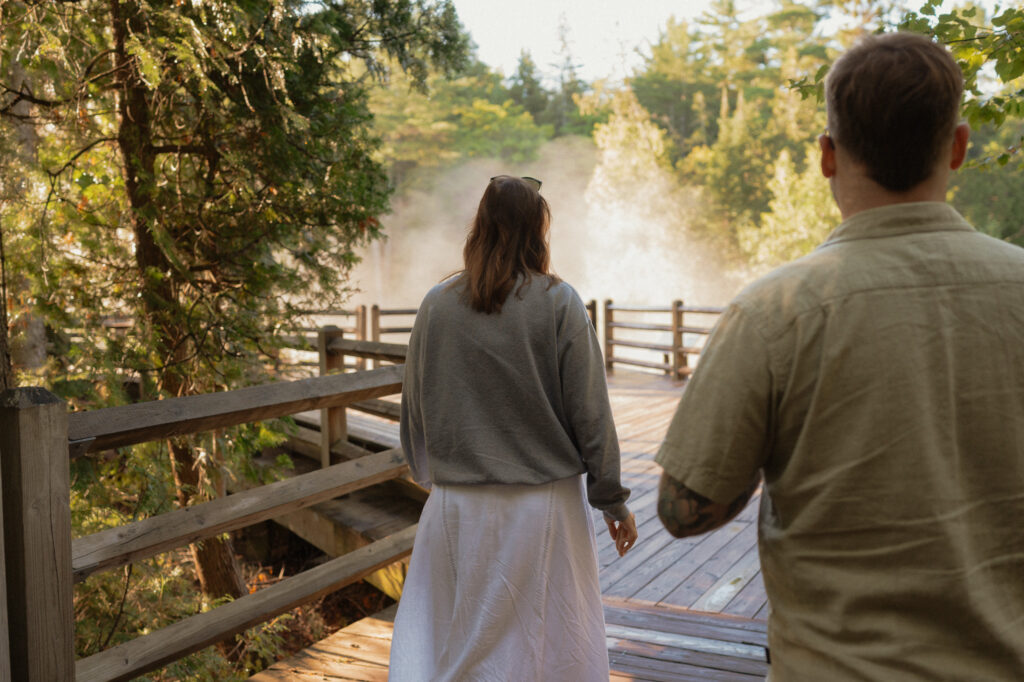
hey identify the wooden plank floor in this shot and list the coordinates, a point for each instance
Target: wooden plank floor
(653, 643)
(717, 572)
(690, 609)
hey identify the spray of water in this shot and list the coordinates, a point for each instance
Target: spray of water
(612, 236)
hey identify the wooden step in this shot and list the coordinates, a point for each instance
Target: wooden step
(343, 524)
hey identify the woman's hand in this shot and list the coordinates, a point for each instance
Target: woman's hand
(623, 533)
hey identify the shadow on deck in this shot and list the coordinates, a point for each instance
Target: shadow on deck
(690, 609)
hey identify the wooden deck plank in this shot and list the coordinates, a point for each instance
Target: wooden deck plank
(650, 544)
(683, 621)
(653, 662)
(729, 585)
(750, 601)
(645, 642)
(643, 405)
(701, 582)
(673, 565)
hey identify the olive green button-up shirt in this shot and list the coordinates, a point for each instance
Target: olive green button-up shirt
(879, 384)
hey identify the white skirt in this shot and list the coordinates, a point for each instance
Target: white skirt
(502, 585)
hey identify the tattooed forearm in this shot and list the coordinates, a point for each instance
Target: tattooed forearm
(684, 512)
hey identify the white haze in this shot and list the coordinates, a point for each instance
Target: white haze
(610, 238)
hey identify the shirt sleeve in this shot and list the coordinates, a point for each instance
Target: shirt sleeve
(720, 434)
(410, 428)
(589, 414)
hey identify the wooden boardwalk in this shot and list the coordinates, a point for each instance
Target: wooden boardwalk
(690, 609)
(717, 572)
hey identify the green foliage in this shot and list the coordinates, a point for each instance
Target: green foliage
(249, 167)
(526, 90)
(713, 86)
(470, 115)
(988, 193)
(800, 215)
(634, 151)
(678, 87)
(734, 168)
(980, 43)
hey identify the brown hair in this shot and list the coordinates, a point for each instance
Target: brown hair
(893, 102)
(508, 238)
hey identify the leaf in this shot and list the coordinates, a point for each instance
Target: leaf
(148, 66)
(1009, 69)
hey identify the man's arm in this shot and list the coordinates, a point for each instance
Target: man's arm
(684, 512)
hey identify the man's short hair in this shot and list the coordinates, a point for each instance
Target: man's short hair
(893, 102)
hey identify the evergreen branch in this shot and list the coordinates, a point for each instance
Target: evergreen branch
(120, 608)
(70, 162)
(182, 149)
(252, 39)
(24, 96)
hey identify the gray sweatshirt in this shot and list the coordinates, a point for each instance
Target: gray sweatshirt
(513, 397)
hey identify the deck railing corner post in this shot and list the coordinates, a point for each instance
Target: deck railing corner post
(678, 351)
(333, 425)
(361, 332)
(375, 329)
(36, 516)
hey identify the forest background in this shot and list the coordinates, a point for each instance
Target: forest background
(211, 173)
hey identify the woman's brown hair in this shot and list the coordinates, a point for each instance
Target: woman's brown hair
(508, 239)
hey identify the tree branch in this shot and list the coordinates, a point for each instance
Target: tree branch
(70, 162)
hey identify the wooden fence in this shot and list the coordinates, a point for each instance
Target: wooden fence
(677, 327)
(42, 561)
(675, 354)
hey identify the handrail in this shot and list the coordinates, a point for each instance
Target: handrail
(641, 308)
(374, 350)
(142, 654)
(115, 547)
(140, 422)
(642, 325)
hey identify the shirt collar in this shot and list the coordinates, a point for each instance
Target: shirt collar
(899, 219)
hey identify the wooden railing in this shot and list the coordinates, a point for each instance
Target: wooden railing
(42, 562)
(682, 333)
(674, 349)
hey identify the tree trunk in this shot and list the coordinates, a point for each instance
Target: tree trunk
(6, 374)
(214, 559)
(218, 570)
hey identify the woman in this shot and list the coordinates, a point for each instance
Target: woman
(504, 407)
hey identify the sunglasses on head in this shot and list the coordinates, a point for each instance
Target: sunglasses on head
(532, 182)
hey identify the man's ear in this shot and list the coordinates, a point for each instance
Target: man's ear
(828, 155)
(960, 137)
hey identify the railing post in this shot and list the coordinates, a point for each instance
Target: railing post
(608, 352)
(375, 329)
(361, 332)
(333, 426)
(36, 491)
(5, 652)
(592, 312)
(678, 356)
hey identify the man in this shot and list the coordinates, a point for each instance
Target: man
(878, 385)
